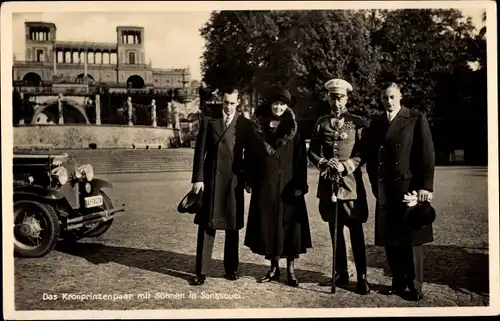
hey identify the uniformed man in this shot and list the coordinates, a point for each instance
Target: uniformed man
(335, 149)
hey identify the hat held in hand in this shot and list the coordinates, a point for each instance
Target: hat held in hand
(191, 203)
(420, 215)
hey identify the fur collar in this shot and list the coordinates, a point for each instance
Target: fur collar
(286, 130)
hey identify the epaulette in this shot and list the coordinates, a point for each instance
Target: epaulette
(319, 121)
(358, 121)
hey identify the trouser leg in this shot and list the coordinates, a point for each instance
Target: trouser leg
(394, 259)
(231, 246)
(341, 254)
(358, 247)
(418, 266)
(407, 265)
(204, 249)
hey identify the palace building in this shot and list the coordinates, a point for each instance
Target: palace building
(121, 64)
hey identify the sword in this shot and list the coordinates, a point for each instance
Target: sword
(336, 183)
(335, 177)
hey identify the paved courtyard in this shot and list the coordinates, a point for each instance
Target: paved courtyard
(147, 257)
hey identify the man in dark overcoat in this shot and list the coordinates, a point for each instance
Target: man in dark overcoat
(400, 160)
(335, 146)
(218, 171)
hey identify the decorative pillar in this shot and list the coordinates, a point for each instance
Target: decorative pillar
(153, 113)
(97, 110)
(60, 105)
(54, 57)
(129, 104)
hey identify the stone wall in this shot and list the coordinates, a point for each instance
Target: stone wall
(81, 136)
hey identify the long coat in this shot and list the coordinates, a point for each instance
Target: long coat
(276, 162)
(327, 142)
(218, 162)
(400, 159)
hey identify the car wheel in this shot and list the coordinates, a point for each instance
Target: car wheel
(36, 229)
(102, 227)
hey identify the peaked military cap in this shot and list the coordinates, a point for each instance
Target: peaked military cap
(338, 86)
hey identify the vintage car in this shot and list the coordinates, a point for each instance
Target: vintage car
(57, 199)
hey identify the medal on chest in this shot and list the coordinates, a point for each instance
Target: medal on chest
(341, 128)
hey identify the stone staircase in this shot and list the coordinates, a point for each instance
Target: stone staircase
(113, 161)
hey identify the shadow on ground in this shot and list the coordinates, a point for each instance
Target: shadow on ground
(457, 267)
(171, 263)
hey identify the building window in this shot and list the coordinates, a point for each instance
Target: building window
(131, 58)
(167, 81)
(39, 55)
(156, 80)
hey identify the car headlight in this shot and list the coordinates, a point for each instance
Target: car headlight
(61, 174)
(86, 171)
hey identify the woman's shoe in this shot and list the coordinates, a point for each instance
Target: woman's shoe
(292, 280)
(271, 275)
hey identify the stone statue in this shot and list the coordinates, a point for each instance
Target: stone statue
(153, 113)
(130, 111)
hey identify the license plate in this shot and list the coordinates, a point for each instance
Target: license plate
(93, 201)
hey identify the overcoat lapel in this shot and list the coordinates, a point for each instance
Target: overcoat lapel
(231, 126)
(397, 123)
(218, 126)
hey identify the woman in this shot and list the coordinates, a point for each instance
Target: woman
(276, 159)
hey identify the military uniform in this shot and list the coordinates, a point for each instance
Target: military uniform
(341, 139)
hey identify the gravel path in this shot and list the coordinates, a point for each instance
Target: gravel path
(146, 258)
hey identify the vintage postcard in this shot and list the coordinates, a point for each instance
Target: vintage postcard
(210, 159)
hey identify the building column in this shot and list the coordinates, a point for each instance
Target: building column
(54, 58)
(85, 62)
(153, 113)
(97, 110)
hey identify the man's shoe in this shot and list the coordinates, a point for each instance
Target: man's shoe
(416, 295)
(232, 276)
(198, 280)
(340, 280)
(363, 287)
(399, 291)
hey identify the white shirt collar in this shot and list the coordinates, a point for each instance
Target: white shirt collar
(226, 116)
(393, 113)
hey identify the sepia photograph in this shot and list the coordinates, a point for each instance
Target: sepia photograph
(235, 159)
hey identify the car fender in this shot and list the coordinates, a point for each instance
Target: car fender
(99, 183)
(38, 192)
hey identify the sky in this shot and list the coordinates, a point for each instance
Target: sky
(172, 39)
